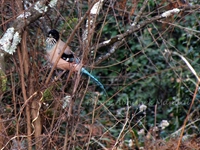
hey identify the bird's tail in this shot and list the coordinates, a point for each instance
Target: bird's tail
(83, 70)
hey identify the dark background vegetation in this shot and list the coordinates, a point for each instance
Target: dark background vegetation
(139, 72)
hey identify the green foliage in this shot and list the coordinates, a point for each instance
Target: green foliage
(139, 72)
(68, 25)
(48, 94)
(3, 81)
(148, 77)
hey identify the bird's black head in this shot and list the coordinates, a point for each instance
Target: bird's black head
(54, 34)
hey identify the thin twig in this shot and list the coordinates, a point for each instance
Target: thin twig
(188, 113)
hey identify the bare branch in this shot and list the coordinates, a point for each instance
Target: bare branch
(110, 52)
(12, 36)
(118, 43)
(138, 27)
(90, 27)
(137, 18)
(91, 21)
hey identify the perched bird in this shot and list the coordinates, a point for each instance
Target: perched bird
(68, 61)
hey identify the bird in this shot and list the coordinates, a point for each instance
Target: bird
(68, 60)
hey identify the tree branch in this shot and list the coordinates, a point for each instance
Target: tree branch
(135, 28)
(12, 36)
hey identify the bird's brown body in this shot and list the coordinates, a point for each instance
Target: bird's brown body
(67, 61)
(53, 54)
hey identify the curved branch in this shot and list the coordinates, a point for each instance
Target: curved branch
(137, 27)
(12, 36)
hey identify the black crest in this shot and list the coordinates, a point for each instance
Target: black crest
(54, 34)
